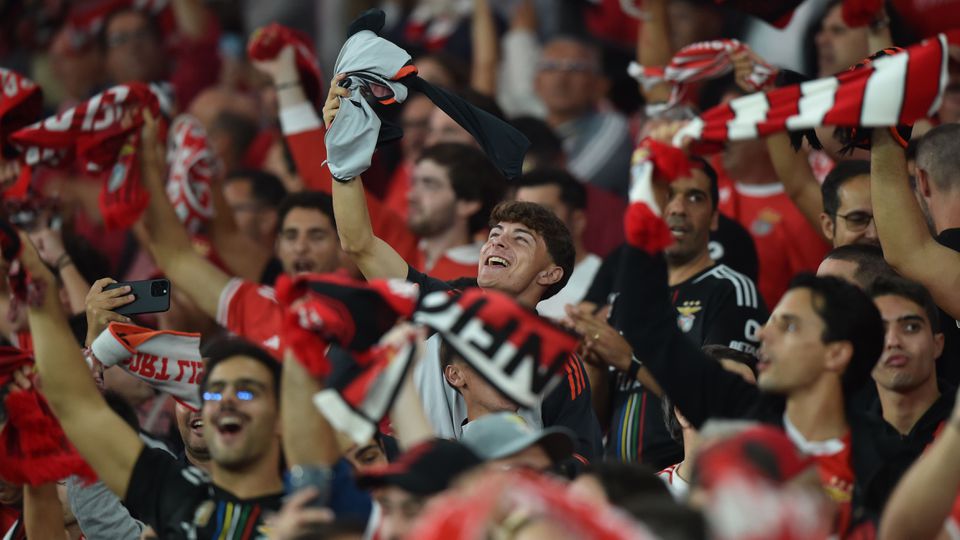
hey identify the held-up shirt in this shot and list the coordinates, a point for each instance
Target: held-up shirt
(180, 502)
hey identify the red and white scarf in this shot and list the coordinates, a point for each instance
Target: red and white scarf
(266, 43)
(889, 91)
(327, 308)
(516, 350)
(95, 134)
(192, 167)
(166, 360)
(694, 63)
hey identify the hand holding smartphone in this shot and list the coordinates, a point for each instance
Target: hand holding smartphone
(149, 296)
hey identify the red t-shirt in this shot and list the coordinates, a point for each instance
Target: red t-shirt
(833, 459)
(250, 310)
(786, 242)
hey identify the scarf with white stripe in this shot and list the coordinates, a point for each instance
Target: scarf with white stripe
(695, 63)
(890, 91)
(520, 353)
(166, 360)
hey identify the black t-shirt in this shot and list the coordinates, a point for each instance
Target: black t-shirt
(429, 284)
(948, 367)
(179, 501)
(271, 272)
(718, 306)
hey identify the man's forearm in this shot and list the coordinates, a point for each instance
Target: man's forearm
(899, 220)
(308, 438)
(374, 257)
(794, 172)
(922, 500)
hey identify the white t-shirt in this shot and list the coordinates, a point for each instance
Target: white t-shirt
(574, 290)
(678, 487)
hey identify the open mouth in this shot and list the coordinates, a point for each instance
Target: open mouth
(302, 265)
(196, 425)
(229, 425)
(497, 261)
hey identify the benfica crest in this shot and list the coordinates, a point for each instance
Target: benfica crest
(687, 314)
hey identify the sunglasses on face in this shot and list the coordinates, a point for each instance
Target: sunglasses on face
(857, 221)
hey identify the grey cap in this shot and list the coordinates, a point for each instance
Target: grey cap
(503, 434)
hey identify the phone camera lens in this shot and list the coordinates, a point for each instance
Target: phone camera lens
(158, 288)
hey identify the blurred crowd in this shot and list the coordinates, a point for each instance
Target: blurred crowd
(525, 269)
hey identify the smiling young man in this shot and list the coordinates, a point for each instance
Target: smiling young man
(241, 426)
(528, 255)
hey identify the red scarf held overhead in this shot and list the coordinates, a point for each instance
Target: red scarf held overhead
(192, 168)
(890, 91)
(697, 62)
(33, 448)
(96, 134)
(266, 43)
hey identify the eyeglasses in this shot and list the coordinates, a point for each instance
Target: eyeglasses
(242, 395)
(120, 39)
(573, 66)
(857, 221)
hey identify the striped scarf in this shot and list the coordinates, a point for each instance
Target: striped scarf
(893, 90)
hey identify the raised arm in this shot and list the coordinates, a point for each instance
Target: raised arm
(483, 74)
(907, 243)
(104, 440)
(167, 240)
(653, 46)
(374, 257)
(308, 438)
(922, 500)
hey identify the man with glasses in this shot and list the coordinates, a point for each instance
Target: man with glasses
(571, 85)
(241, 426)
(847, 216)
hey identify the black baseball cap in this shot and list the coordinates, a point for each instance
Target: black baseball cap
(426, 469)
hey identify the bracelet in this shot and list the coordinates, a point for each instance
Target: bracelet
(285, 85)
(635, 365)
(63, 261)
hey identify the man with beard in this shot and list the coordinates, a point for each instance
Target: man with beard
(847, 216)
(241, 425)
(715, 305)
(453, 189)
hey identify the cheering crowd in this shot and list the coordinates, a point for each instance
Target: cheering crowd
(543, 269)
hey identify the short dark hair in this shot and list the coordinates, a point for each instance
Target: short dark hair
(848, 314)
(869, 260)
(572, 192)
(622, 481)
(840, 175)
(715, 352)
(667, 519)
(938, 153)
(893, 285)
(313, 200)
(229, 347)
(266, 188)
(542, 221)
(472, 176)
(704, 165)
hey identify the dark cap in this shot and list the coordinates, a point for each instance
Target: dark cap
(426, 469)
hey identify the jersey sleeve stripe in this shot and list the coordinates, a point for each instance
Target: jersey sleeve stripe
(226, 297)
